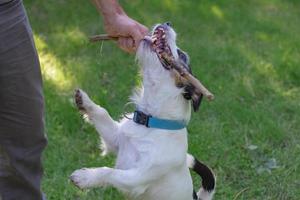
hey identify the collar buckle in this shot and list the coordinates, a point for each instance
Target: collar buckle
(141, 118)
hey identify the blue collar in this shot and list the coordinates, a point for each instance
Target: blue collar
(152, 122)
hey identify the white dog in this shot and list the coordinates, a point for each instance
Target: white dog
(151, 146)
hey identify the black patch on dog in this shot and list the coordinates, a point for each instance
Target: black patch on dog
(189, 90)
(196, 100)
(183, 57)
(195, 197)
(207, 176)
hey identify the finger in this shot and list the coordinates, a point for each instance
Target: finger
(122, 43)
(126, 44)
(143, 29)
(138, 33)
(129, 44)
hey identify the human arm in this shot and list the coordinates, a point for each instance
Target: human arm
(117, 24)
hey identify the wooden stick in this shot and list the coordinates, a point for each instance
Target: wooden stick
(102, 37)
(182, 70)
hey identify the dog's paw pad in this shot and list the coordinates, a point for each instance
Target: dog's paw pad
(82, 101)
(79, 100)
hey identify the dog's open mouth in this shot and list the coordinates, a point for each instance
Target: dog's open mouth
(160, 45)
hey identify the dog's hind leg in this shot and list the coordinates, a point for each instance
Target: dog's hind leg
(105, 125)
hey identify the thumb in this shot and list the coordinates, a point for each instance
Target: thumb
(138, 33)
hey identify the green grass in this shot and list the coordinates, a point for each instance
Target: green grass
(246, 52)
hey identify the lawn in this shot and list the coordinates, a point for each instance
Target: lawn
(246, 52)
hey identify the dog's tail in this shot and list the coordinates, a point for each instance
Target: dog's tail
(206, 192)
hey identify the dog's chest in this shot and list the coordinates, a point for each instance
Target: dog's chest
(142, 146)
(133, 151)
(127, 154)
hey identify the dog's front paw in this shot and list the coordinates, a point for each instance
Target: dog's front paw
(82, 101)
(81, 178)
(89, 177)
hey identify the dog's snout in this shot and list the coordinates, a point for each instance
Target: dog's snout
(168, 24)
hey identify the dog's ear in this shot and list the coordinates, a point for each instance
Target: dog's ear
(189, 94)
(189, 90)
(196, 101)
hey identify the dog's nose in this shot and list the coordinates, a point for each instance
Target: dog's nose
(168, 24)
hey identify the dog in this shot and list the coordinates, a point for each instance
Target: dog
(151, 143)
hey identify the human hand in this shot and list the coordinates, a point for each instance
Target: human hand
(128, 31)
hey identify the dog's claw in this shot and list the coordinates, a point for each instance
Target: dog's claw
(84, 178)
(75, 180)
(72, 178)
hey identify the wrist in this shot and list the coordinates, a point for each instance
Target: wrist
(112, 16)
(109, 8)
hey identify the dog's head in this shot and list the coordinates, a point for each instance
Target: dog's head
(152, 52)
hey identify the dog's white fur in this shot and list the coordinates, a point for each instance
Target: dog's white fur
(151, 163)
